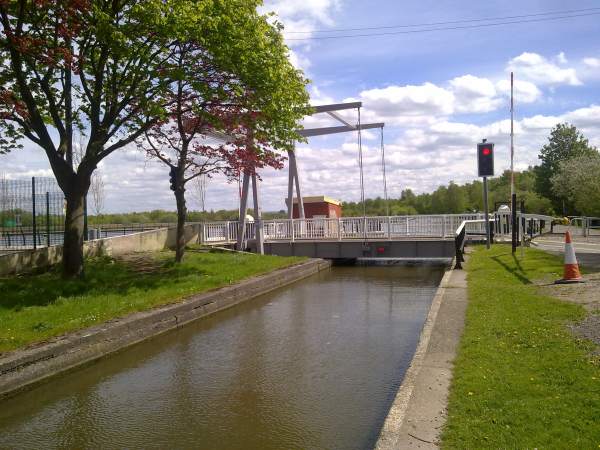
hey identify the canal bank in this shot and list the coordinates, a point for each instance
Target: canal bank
(313, 365)
(418, 413)
(26, 368)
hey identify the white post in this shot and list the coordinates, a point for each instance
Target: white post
(290, 185)
(389, 227)
(258, 223)
(294, 168)
(292, 226)
(243, 206)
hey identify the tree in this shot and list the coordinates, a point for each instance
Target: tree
(98, 65)
(207, 98)
(97, 191)
(578, 182)
(455, 198)
(80, 63)
(565, 142)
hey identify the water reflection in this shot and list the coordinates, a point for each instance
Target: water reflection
(312, 366)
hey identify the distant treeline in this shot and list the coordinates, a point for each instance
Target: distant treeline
(451, 199)
(457, 199)
(161, 216)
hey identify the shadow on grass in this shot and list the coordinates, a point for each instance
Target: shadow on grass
(103, 276)
(517, 271)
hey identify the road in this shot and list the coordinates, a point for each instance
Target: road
(586, 249)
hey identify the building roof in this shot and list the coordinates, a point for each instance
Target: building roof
(318, 199)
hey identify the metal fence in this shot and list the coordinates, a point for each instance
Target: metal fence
(31, 214)
(102, 231)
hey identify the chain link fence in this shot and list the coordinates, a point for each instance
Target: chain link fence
(31, 214)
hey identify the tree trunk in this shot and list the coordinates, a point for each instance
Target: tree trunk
(73, 237)
(181, 216)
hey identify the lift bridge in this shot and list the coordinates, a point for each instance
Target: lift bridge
(397, 237)
(412, 237)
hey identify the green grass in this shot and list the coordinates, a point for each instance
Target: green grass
(36, 307)
(521, 379)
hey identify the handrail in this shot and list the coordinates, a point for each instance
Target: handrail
(460, 238)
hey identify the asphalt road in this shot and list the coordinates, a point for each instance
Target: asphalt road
(587, 249)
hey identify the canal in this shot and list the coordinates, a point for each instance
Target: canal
(315, 365)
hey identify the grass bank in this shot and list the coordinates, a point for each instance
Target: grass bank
(34, 308)
(521, 379)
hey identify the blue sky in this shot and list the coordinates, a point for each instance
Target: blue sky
(439, 93)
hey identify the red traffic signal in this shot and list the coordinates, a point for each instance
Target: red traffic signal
(485, 159)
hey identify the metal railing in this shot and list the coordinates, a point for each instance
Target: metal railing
(586, 226)
(470, 228)
(101, 231)
(343, 228)
(529, 225)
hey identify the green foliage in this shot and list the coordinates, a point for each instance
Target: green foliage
(457, 199)
(565, 142)
(36, 307)
(578, 182)
(521, 379)
(161, 216)
(101, 67)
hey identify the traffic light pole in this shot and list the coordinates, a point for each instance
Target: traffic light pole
(486, 212)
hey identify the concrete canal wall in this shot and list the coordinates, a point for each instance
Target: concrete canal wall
(23, 369)
(154, 240)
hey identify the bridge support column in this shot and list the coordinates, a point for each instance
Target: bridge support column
(243, 206)
(294, 179)
(258, 223)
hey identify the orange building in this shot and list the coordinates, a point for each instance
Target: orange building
(318, 207)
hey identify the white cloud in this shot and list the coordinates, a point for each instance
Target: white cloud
(474, 94)
(534, 67)
(302, 15)
(398, 103)
(524, 91)
(592, 62)
(561, 58)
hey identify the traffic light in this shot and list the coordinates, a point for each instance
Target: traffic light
(173, 178)
(485, 159)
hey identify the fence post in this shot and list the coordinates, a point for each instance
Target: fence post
(85, 220)
(443, 226)
(47, 219)
(293, 232)
(389, 225)
(33, 223)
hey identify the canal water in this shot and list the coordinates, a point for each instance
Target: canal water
(315, 365)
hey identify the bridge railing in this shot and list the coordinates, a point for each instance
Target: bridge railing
(467, 228)
(530, 225)
(383, 227)
(345, 228)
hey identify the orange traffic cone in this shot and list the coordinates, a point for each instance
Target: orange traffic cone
(571, 274)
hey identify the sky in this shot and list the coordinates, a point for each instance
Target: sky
(438, 92)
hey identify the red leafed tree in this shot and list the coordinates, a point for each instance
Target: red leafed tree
(184, 140)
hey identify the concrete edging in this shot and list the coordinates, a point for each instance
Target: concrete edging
(24, 369)
(391, 435)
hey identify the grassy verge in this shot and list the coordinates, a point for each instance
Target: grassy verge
(34, 308)
(521, 379)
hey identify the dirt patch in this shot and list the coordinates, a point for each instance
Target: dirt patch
(589, 329)
(586, 294)
(141, 262)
